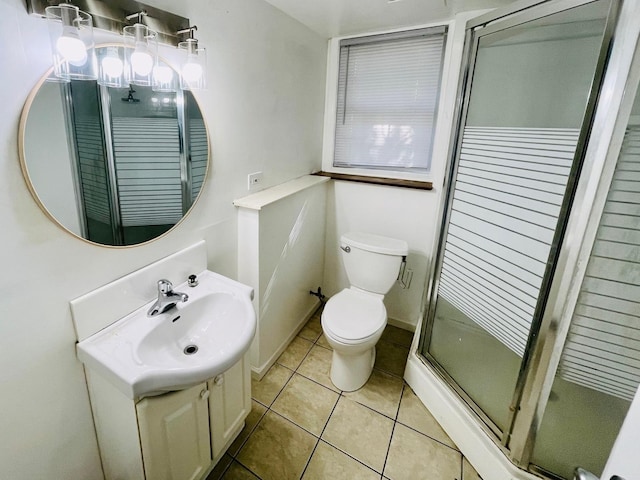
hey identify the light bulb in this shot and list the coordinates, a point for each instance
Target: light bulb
(192, 72)
(112, 66)
(142, 63)
(163, 74)
(72, 49)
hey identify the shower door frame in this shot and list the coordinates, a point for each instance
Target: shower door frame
(103, 99)
(549, 326)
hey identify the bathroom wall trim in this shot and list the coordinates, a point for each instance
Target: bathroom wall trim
(271, 195)
(403, 324)
(392, 182)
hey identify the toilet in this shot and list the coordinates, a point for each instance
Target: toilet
(354, 319)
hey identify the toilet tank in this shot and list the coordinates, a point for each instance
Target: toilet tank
(372, 261)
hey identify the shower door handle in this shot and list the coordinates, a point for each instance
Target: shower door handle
(582, 474)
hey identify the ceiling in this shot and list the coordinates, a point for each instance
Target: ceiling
(332, 18)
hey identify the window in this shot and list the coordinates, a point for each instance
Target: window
(387, 100)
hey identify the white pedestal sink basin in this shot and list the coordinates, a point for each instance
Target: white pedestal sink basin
(188, 344)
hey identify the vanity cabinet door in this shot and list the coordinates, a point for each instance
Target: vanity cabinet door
(174, 434)
(229, 405)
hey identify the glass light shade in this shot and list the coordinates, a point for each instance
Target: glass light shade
(193, 65)
(164, 78)
(141, 54)
(111, 67)
(72, 45)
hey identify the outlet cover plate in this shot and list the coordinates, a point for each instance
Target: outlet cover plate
(254, 180)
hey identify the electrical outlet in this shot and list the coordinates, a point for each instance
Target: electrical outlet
(254, 180)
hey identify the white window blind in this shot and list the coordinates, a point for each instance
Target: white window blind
(388, 89)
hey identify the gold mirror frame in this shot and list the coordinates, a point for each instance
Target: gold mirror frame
(22, 132)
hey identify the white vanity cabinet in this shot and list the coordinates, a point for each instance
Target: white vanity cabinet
(229, 404)
(175, 436)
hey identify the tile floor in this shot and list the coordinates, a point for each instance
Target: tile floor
(302, 427)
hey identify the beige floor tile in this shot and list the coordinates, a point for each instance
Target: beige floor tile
(322, 341)
(415, 415)
(277, 449)
(306, 403)
(266, 390)
(220, 468)
(328, 462)
(468, 472)
(360, 432)
(397, 335)
(391, 358)
(238, 472)
(413, 456)
(312, 330)
(294, 354)
(317, 367)
(256, 413)
(382, 392)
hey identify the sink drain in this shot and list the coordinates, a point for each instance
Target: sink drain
(190, 349)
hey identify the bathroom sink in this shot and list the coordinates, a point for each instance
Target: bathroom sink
(192, 342)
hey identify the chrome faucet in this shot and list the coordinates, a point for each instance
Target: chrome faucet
(167, 298)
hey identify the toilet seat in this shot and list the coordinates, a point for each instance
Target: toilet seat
(352, 317)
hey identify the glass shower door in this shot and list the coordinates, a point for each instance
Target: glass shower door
(518, 154)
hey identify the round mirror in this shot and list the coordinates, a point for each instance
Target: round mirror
(114, 166)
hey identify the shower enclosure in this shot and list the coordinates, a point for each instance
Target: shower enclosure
(140, 159)
(548, 373)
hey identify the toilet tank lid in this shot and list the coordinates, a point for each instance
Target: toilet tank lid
(375, 243)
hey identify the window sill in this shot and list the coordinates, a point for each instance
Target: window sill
(391, 182)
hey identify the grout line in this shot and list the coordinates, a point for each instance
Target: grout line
(226, 469)
(248, 469)
(429, 437)
(386, 457)
(244, 442)
(351, 457)
(404, 385)
(319, 437)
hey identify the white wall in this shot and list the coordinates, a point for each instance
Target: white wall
(281, 254)
(264, 109)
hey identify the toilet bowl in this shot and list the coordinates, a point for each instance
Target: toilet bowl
(354, 319)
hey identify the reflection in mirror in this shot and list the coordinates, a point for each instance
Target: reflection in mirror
(116, 166)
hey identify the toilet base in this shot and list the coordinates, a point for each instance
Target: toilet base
(351, 372)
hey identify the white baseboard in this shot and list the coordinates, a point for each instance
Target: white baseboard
(404, 324)
(454, 417)
(257, 372)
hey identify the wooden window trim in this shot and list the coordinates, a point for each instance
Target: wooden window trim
(391, 182)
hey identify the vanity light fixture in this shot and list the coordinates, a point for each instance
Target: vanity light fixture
(111, 67)
(164, 79)
(141, 54)
(193, 64)
(72, 45)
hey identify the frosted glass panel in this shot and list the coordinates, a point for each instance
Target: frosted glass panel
(529, 90)
(599, 370)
